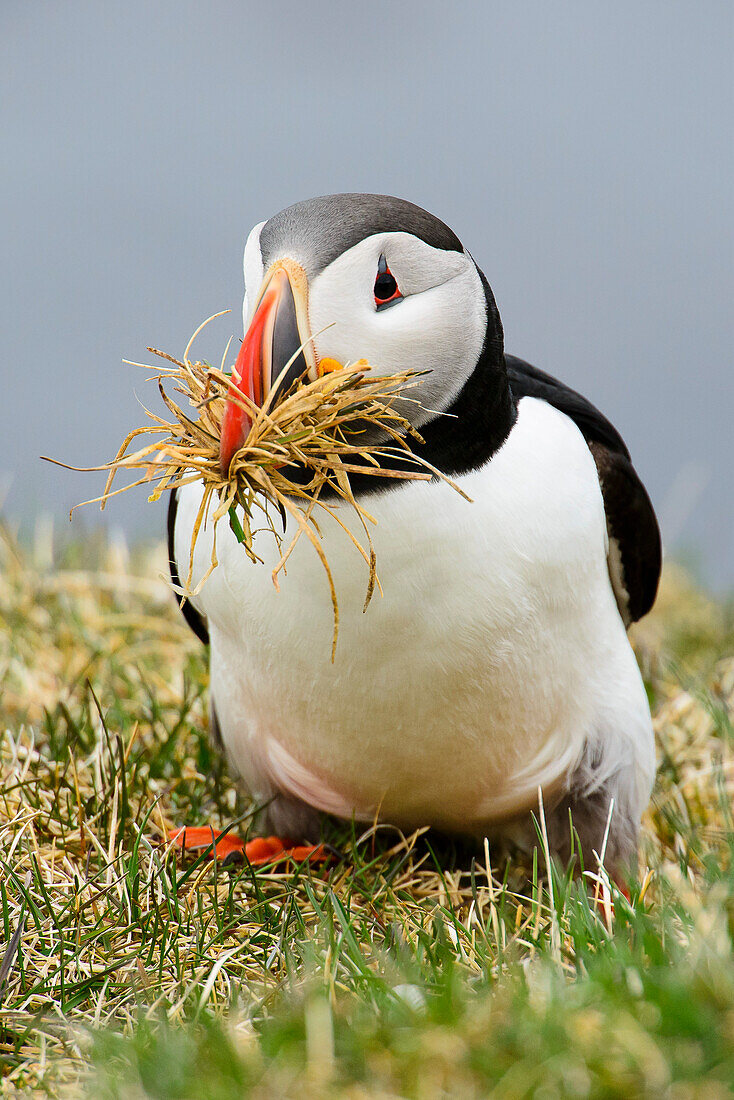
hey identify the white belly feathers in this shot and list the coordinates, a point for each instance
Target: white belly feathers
(495, 652)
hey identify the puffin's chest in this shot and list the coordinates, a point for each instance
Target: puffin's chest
(469, 659)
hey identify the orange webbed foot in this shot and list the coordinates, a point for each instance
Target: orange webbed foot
(623, 888)
(260, 851)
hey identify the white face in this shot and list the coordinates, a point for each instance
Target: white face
(437, 326)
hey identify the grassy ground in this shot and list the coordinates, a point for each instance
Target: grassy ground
(399, 970)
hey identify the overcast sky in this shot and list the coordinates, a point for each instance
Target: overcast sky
(582, 152)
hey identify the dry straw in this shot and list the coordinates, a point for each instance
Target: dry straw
(303, 441)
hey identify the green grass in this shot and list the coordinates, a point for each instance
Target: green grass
(408, 967)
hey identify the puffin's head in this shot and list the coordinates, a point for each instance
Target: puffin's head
(348, 277)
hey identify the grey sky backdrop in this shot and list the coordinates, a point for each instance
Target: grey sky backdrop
(583, 153)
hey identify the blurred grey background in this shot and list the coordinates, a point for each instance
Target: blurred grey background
(582, 152)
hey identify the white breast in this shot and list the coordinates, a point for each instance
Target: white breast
(495, 652)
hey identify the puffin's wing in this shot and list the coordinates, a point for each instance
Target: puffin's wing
(635, 554)
(193, 617)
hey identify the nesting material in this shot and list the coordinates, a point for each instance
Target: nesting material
(301, 441)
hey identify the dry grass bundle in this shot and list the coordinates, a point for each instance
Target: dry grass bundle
(303, 440)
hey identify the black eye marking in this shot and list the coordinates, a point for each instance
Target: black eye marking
(387, 292)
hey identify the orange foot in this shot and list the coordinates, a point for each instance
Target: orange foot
(261, 850)
(622, 887)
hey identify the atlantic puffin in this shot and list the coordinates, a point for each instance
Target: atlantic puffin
(496, 664)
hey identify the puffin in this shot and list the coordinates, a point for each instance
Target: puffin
(494, 671)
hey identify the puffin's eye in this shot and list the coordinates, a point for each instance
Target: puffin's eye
(386, 289)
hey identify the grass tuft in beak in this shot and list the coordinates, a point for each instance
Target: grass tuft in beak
(300, 442)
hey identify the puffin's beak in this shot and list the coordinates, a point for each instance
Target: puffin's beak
(278, 342)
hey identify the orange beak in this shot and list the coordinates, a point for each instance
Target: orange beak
(276, 351)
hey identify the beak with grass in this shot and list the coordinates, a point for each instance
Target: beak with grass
(494, 663)
(277, 350)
